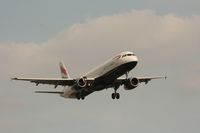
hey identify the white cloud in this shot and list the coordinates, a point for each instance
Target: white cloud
(155, 38)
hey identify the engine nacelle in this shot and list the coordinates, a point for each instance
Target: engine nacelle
(82, 82)
(131, 83)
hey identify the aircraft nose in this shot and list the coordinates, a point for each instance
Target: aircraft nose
(135, 58)
(131, 59)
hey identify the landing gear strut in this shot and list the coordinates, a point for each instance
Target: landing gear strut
(126, 74)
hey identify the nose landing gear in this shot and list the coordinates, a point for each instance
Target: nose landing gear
(115, 94)
(116, 86)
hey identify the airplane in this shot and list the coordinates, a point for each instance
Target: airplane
(107, 75)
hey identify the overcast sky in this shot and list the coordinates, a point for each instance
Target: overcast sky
(36, 35)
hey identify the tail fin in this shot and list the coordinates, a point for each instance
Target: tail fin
(63, 70)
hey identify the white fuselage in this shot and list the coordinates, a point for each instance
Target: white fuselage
(112, 64)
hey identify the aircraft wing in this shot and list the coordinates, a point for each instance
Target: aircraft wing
(50, 92)
(147, 79)
(141, 79)
(53, 81)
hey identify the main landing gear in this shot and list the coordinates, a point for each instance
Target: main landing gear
(80, 96)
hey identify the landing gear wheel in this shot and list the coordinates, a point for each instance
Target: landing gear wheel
(113, 95)
(82, 98)
(117, 95)
(78, 96)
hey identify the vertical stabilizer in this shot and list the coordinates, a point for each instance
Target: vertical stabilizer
(63, 70)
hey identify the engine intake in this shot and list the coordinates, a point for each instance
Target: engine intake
(82, 82)
(131, 83)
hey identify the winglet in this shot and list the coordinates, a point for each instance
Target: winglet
(63, 70)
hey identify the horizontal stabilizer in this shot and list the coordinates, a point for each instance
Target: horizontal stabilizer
(51, 92)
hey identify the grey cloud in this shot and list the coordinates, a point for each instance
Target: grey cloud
(165, 44)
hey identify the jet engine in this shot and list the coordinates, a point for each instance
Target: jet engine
(82, 82)
(131, 83)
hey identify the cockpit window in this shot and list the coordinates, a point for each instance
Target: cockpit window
(127, 55)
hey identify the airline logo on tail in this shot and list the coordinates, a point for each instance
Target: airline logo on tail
(63, 70)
